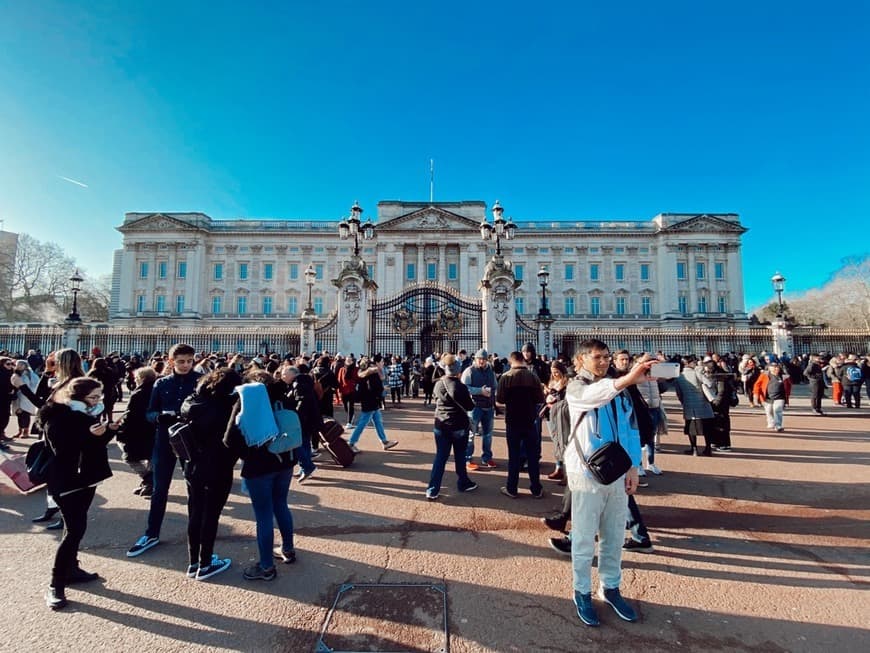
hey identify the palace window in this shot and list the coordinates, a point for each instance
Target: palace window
(143, 270)
(161, 270)
(645, 306)
(520, 304)
(243, 271)
(293, 272)
(723, 304)
(140, 303)
(619, 272)
(569, 306)
(268, 271)
(218, 271)
(681, 270)
(318, 305)
(267, 305)
(160, 303)
(569, 272)
(241, 305)
(370, 269)
(700, 271)
(702, 304)
(595, 305)
(683, 304)
(182, 269)
(518, 271)
(179, 303)
(644, 271)
(292, 305)
(593, 272)
(216, 303)
(620, 305)
(410, 271)
(720, 271)
(431, 271)
(451, 271)
(318, 271)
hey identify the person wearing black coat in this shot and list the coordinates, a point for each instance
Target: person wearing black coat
(324, 375)
(7, 394)
(78, 438)
(209, 472)
(452, 404)
(136, 433)
(297, 387)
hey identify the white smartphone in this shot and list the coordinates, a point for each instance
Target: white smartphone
(664, 370)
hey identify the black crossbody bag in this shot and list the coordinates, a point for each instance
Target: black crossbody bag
(610, 461)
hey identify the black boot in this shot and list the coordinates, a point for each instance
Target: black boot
(79, 575)
(556, 522)
(48, 515)
(55, 526)
(55, 598)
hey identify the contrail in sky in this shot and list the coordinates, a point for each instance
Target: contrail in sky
(72, 181)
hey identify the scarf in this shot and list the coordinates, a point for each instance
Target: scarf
(255, 420)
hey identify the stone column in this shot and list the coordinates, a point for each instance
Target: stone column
(545, 335)
(499, 313)
(72, 331)
(307, 340)
(355, 292)
(442, 265)
(692, 280)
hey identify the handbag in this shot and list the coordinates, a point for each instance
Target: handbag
(181, 440)
(609, 462)
(38, 461)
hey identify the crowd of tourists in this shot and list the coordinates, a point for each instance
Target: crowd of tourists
(230, 403)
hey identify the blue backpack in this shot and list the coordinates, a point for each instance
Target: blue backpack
(289, 430)
(853, 373)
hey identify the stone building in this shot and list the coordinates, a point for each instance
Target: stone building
(187, 268)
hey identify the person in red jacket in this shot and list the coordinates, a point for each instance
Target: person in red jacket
(772, 391)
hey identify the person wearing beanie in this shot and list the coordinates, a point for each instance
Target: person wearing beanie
(481, 383)
(452, 404)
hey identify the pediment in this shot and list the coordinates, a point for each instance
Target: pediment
(156, 222)
(431, 218)
(705, 223)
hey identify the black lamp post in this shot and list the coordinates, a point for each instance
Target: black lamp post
(500, 228)
(778, 282)
(544, 280)
(76, 282)
(354, 226)
(310, 276)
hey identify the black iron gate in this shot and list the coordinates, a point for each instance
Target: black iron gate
(426, 318)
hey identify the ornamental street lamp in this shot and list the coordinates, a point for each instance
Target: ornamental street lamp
(778, 282)
(500, 228)
(310, 275)
(76, 282)
(544, 280)
(354, 226)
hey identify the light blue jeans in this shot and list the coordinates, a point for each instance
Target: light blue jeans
(773, 412)
(481, 422)
(269, 499)
(600, 509)
(364, 418)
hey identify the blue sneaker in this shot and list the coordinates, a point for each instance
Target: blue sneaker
(585, 610)
(619, 604)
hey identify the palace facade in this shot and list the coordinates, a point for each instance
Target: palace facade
(187, 268)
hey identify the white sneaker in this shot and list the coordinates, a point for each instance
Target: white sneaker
(653, 469)
(389, 444)
(348, 426)
(640, 472)
(355, 448)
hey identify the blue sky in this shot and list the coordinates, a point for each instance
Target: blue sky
(559, 110)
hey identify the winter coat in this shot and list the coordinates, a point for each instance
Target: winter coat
(136, 433)
(81, 459)
(452, 403)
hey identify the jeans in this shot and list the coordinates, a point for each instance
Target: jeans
(205, 501)
(348, 403)
(303, 454)
(852, 394)
(162, 468)
(365, 417)
(269, 499)
(482, 421)
(74, 509)
(635, 524)
(773, 412)
(817, 393)
(523, 440)
(445, 441)
(600, 509)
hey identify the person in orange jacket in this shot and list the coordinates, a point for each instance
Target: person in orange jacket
(772, 391)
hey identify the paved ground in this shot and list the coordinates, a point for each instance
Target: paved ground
(762, 549)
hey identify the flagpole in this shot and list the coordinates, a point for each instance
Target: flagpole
(431, 181)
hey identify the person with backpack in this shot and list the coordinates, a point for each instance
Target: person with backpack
(266, 475)
(209, 472)
(853, 379)
(299, 396)
(370, 391)
(347, 380)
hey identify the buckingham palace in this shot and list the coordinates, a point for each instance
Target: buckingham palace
(673, 270)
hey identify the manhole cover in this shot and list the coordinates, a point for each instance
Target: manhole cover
(386, 618)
